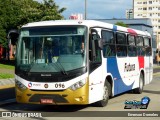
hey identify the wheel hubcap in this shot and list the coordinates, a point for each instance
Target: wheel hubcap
(141, 84)
(105, 94)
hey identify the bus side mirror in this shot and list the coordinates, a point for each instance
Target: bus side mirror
(100, 44)
(13, 36)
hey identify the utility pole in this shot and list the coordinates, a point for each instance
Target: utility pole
(85, 14)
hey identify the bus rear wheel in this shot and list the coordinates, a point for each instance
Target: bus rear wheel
(106, 94)
(139, 90)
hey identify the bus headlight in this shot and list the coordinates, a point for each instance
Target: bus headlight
(78, 85)
(20, 85)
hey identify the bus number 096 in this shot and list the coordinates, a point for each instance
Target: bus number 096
(59, 85)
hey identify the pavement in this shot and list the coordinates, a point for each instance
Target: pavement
(7, 83)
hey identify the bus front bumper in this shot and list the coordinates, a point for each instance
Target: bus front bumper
(64, 97)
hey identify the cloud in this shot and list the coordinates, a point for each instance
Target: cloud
(96, 9)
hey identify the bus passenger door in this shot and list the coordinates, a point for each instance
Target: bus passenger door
(95, 69)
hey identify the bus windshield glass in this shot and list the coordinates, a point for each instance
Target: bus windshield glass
(52, 48)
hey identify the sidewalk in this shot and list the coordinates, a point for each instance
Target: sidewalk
(7, 67)
(7, 83)
(155, 66)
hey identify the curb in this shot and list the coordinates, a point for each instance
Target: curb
(7, 86)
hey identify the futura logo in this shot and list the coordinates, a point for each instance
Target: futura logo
(129, 67)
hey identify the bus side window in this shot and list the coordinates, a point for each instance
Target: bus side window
(109, 43)
(140, 45)
(94, 51)
(121, 45)
(147, 44)
(132, 50)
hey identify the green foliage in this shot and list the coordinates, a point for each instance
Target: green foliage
(6, 75)
(3, 40)
(121, 24)
(9, 67)
(15, 13)
(6, 71)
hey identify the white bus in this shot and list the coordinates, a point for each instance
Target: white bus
(68, 62)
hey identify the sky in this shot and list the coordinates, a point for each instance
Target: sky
(96, 9)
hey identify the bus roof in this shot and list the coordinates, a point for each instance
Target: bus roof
(88, 23)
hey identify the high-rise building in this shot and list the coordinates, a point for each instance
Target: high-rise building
(149, 9)
(129, 14)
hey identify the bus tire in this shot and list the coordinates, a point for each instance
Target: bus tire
(141, 84)
(106, 94)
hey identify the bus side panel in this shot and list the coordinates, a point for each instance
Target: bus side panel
(96, 84)
(148, 66)
(125, 72)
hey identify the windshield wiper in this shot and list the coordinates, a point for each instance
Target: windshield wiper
(61, 68)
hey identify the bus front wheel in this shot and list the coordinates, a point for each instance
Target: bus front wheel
(106, 94)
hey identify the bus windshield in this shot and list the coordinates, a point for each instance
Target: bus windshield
(52, 48)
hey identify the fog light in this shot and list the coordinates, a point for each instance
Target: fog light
(79, 99)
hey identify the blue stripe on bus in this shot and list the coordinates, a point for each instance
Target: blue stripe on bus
(119, 85)
(114, 28)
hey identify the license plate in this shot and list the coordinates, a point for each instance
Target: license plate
(46, 101)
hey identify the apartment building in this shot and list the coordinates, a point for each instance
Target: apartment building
(149, 9)
(129, 14)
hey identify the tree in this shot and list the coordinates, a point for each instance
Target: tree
(33, 11)
(15, 13)
(121, 24)
(49, 11)
(3, 41)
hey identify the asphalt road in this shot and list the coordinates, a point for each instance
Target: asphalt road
(7, 94)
